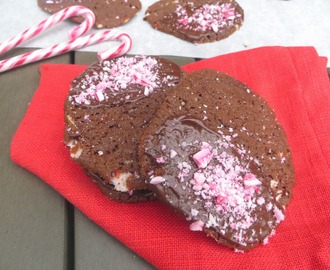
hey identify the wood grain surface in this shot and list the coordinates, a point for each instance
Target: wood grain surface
(32, 215)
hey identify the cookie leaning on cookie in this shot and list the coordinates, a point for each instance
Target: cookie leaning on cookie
(216, 154)
(106, 110)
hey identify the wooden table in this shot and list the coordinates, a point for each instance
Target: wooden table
(39, 229)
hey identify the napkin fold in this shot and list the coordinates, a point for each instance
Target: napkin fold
(293, 80)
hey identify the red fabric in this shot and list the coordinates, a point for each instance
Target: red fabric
(293, 80)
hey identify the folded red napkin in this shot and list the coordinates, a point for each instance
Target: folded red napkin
(295, 83)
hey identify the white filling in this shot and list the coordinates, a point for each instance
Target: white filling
(71, 143)
(120, 183)
(76, 153)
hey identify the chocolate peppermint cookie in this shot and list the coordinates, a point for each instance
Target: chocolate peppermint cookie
(216, 154)
(108, 14)
(106, 111)
(197, 21)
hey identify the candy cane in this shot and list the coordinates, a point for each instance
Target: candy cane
(125, 46)
(72, 44)
(48, 23)
(64, 47)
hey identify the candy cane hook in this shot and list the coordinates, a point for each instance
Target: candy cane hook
(64, 47)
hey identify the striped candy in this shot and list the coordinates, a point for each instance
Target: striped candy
(75, 40)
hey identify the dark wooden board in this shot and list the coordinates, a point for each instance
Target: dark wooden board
(32, 215)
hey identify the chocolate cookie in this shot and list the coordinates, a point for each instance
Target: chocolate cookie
(106, 111)
(197, 21)
(108, 14)
(216, 154)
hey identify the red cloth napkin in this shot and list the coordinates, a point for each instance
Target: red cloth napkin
(293, 80)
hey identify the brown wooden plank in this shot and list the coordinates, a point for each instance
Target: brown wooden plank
(96, 249)
(32, 215)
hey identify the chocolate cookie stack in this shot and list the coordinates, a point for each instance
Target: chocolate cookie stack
(106, 111)
(203, 143)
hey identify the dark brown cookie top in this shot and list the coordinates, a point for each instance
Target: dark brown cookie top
(123, 80)
(197, 21)
(108, 14)
(106, 111)
(216, 154)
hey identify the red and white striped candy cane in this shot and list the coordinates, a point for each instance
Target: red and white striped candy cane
(48, 23)
(124, 47)
(64, 47)
(73, 44)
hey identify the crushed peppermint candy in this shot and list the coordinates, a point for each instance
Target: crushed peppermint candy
(203, 157)
(208, 17)
(117, 75)
(173, 153)
(224, 186)
(160, 160)
(228, 186)
(278, 214)
(157, 180)
(216, 182)
(194, 212)
(197, 225)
